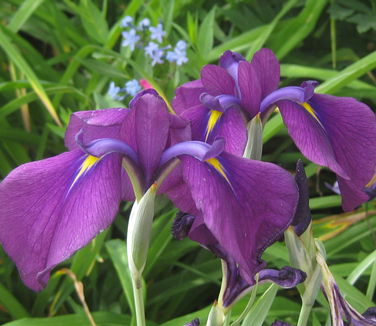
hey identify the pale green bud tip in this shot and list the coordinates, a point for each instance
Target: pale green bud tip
(139, 230)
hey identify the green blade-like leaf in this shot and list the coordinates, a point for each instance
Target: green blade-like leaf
(20, 62)
(23, 13)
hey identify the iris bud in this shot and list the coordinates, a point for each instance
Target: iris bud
(253, 149)
(139, 230)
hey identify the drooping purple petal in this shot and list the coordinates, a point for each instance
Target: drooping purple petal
(248, 214)
(309, 136)
(344, 140)
(152, 124)
(217, 81)
(346, 311)
(250, 88)
(352, 193)
(286, 277)
(181, 226)
(303, 215)
(53, 207)
(178, 191)
(104, 123)
(187, 95)
(236, 285)
(351, 127)
(267, 68)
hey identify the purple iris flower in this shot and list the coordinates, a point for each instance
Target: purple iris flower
(53, 207)
(220, 103)
(240, 275)
(336, 132)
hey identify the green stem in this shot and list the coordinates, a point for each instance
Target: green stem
(247, 309)
(372, 282)
(138, 300)
(304, 315)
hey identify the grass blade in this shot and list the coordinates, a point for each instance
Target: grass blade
(20, 62)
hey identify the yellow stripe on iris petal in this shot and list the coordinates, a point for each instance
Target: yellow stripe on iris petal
(372, 181)
(310, 110)
(86, 165)
(213, 119)
(218, 167)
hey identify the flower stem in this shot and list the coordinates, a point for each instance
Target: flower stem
(304, 314)
(138, 300)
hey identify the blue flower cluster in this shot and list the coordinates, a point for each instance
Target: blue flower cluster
(131, 88)
(150, 38)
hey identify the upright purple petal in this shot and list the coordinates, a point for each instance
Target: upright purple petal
(96, 124)
(180, 130)
(217, 80)
(187, 95)
(267, 68)
(230, 61)
(53, 207)
(232, 127)
(198, 117)
(250, 88)
(152, 124)
(246, 210)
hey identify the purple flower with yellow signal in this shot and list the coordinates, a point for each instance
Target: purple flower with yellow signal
(53, 207)
(227, 96)
(336, 132)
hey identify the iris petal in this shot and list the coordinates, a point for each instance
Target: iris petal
(44, 220)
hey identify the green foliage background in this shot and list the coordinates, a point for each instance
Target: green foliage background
(57, 57)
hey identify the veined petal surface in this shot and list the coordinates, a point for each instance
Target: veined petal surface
(246, 209)
(53, 207)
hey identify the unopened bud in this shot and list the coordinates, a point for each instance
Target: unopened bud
(139, 230)
(253, 149)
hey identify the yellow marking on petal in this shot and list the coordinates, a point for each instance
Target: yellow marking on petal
(310, 110)
(372, 181)
(218, 166)
(213, 119)
(86, 165)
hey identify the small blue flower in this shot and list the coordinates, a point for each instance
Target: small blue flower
(151, 48)
(126, 22)
(157, 33)
(171, 56)
(130, 38)
(181, 57)
(132, 87)
(144, 23)
(154, 52)
(179, 54)
(113, 92)
(181, 45)
(157, 57)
